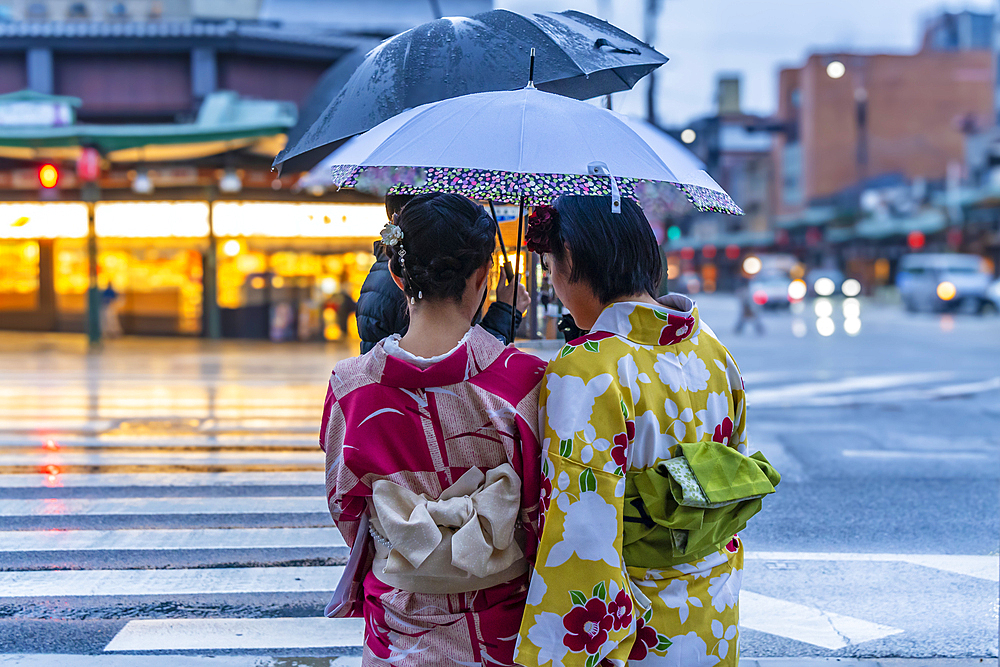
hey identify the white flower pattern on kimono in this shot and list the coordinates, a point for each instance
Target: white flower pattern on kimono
(547, 634)
(715, 421)
(590, 529)
(704, 567)
(650, 444)
(629, 376)
(724, 635)
(537, 588)
(689, 650)
(675, 596)
(725, 589)
(682, 371)
(571, 403)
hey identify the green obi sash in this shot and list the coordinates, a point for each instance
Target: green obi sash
(691, 505)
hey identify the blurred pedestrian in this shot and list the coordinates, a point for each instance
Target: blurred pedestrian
(432, 457)
(381, 307)
(111, 325)
(748, 308)
(645, 478)
(346, 307)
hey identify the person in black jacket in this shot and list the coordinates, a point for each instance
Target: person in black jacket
(381, 308)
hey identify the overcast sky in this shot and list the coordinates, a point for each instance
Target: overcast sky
(754, 37)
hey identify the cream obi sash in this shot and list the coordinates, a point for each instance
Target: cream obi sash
(466, 540)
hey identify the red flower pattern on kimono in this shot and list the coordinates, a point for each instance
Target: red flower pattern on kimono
(621, 609)
(724, 431)
(546, 494)
(645, 639)
(587, 626)
(619, 450)
(676, 329)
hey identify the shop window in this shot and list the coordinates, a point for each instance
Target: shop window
(19, 275)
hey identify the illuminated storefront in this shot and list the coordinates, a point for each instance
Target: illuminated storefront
(275, 257)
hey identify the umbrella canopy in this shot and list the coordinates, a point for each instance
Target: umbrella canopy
(509, 146)
(577, 55)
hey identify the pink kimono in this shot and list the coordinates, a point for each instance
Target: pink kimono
(445, 460)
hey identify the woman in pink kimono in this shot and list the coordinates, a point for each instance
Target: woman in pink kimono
(432, 451)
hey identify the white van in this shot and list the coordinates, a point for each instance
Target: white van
(939, 282)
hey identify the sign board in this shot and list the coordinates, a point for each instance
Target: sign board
(36, 113)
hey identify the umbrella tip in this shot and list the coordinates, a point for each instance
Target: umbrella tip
(531, 69)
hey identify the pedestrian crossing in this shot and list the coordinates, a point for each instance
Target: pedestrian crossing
(117, 507)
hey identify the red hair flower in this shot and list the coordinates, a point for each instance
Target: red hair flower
(542, 224)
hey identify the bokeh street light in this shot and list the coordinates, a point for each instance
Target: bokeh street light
(836, 69)
(688, 136)
(824, 286)
(851, 287)
(752, 265)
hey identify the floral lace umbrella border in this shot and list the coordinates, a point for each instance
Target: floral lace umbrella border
(508, 186)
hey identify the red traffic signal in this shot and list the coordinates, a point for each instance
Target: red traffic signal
(48, 176)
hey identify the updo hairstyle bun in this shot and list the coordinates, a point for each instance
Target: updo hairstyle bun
(446, 238)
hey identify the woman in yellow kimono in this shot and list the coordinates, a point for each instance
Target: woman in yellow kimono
(645, 475)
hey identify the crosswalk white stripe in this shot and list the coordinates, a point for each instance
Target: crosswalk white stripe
(203, 581)
(911, 454)
(238, 633)
(83, 480)
(169, 539)
(794, 393)
(980, 567)
(807, 624)
(142, 506)
(178, 440)
(161, 458)
(117, 660)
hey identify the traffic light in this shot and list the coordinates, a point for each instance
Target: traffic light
(48, 176)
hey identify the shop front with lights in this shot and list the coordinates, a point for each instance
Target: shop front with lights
(283, 268)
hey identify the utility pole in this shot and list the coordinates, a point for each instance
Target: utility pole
(436, 8)
(649, 24)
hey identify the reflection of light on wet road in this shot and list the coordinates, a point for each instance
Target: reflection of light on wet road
(825, 326)
(823, 308)
(947, 323)
(799, 328)
(852, 326)
(851, 308)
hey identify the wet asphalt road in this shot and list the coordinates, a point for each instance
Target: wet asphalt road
(197, 462)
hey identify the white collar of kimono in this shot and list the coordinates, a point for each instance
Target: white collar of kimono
(615, 319)
(393, 348)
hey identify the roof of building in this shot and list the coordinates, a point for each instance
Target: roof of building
(174, 29)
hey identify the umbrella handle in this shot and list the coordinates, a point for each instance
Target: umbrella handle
(531, 69)
(508, 270)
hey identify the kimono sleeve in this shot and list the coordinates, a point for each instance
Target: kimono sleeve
(345, 509)
(580, 604)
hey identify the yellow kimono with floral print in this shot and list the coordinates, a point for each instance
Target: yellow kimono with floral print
(616, 400)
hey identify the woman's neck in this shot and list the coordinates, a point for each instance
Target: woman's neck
(435, 328)
(635, 298)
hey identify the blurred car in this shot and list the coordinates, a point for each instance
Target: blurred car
(993, 295)
(824, 282)
(770, 290)
(941, 282)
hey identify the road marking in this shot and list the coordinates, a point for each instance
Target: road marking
(238, 633)
(202, 581)
(189, 439)
(911, 454)
(807, 624)
(145, 506)
(169, 539)
(903, 395)
(113, 660)
(980, 567)
(161, 458)
(791, 470)
(84, 480)
(794, 394)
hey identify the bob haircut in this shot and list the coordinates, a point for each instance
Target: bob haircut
(615, 253)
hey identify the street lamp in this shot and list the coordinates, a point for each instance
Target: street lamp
(688, 136)
(836, 69)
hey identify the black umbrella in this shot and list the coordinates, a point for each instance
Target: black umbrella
(577, 55)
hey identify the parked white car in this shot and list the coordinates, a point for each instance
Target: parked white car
(939, 282)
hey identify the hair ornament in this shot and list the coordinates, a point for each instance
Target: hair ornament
(391, 234)
(542, 225)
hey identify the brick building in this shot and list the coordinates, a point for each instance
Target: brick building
(848, 119)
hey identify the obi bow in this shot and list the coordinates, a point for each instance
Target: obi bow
(474, 518)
